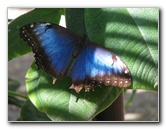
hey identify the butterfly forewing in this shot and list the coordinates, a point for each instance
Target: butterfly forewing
(53, 46)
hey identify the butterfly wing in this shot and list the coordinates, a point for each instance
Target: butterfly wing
(52, 44)
(96, 66)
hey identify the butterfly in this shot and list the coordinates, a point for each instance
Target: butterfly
(59, 51)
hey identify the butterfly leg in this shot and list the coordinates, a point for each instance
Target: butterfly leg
(54, 80)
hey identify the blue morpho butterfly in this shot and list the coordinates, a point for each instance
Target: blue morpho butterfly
(55, 47)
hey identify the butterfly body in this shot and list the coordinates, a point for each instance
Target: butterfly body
(93, 65)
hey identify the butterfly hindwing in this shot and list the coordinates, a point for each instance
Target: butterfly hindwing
(96, 66)
(53, 46)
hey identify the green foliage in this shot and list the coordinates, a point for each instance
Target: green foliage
(30, 113)
(132, 34)
(16, 47)
(13, 85)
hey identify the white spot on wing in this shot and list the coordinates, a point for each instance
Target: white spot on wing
(115, 82)
(126, 71)
(48, 23)
(45, 24)
(32, 25)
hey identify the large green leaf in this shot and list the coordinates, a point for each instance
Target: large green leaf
(131, 33)
(62, 104)
(16, 46)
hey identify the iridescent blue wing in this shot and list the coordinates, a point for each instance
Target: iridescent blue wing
(96, 66)
(52, 44)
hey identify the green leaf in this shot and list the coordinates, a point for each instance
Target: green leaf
(14, 101)
(145, 66)
(30, 113)
(131, 33)
(62, 104)
(16, 46)
(13, 85)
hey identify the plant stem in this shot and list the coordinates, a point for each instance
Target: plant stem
(16, 94)
(130, 99)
